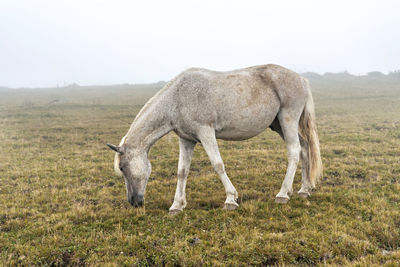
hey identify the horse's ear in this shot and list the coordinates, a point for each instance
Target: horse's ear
(115, 148)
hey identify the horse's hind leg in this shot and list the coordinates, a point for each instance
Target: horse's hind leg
(306, 185)
(289, 122)
(186, 148)
(209, 142)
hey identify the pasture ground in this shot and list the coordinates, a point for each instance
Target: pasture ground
(61, 204)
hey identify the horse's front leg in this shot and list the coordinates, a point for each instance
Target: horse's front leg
(209, 142)
(186, 148)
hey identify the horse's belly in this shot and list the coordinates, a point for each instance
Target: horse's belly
(245, 124)
(237, 134)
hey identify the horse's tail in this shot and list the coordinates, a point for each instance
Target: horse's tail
(308, 132)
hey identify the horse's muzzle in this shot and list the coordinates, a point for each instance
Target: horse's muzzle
(136, 200)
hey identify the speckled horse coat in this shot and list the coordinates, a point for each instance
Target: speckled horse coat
(202, 105)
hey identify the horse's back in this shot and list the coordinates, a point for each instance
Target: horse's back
(239, 104)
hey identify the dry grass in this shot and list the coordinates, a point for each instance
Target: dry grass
(61, 204)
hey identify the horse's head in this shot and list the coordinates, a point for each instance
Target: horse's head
(136, 170)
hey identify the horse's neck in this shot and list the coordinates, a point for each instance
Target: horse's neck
(152, 123)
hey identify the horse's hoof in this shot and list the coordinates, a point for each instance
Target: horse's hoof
(174, 212)
(304, 194)
(230, 206)
(281, 200)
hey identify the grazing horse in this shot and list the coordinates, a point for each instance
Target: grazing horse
(202, 105)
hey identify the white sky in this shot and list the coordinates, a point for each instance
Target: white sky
(52, 42)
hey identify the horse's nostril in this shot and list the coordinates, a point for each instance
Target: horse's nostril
(136, 201)
(139, 200)
(131, 200)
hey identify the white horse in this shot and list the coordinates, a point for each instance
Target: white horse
(201, 106)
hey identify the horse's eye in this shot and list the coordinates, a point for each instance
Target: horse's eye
(121, 168)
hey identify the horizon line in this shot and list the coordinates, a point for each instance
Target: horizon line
(74, 84)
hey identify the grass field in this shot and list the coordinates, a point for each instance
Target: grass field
(61, 204)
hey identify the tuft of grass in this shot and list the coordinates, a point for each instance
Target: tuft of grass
(61, 204)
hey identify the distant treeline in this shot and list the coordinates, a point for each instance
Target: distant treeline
(374, 83)
(89, 87)
(328, 76)
(348, 76)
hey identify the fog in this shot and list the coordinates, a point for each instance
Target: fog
(54, 43)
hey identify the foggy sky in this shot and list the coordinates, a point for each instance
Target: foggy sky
(48, 43)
